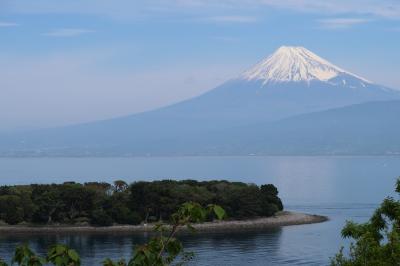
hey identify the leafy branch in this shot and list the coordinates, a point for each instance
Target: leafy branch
(376, 242)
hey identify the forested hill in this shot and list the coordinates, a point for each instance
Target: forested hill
(103, 204)
(363, 129)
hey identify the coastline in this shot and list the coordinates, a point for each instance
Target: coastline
(283, 218)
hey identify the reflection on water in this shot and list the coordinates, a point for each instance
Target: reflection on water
(339, 187)
(293, 245)
(305, 178)
(239, 248)
(93, 248)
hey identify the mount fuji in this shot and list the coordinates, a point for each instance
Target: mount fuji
(297, 64)
(292, 81)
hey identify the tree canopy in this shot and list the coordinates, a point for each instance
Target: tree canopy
(104, 204)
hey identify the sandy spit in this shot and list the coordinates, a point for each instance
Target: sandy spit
(284, 218)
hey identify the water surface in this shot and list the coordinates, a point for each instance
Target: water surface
(339, 187)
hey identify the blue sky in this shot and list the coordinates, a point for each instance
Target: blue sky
(70, 61)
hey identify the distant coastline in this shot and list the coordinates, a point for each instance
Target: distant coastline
(283, 218)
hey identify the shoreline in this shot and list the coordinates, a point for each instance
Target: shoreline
(283, 218)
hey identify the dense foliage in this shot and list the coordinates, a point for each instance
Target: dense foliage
(162, 250)
(104, 204)
(377, 242)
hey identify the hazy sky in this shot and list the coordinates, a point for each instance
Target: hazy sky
(69, 61)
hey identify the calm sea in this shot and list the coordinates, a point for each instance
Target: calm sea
(340, 187)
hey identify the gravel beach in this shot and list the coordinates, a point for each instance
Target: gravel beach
(283, 218)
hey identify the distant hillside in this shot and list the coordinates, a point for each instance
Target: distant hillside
(364, 129)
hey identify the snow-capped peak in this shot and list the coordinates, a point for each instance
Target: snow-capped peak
(291, 63)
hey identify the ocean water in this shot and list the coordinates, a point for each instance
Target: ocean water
(341, 188)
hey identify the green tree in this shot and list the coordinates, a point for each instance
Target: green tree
(376, 242)
(11, 209)
(77, 200)
(97, 203)
(48, 201)
(270, 202)
(101, 218)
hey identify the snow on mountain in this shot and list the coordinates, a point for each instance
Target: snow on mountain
(290, 63)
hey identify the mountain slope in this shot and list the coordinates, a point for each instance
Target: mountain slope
(364, 129)
(290, 82)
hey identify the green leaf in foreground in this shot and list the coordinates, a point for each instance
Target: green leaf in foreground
(162, 250)
(109, 262)
(376, 242)
(24, 256)
(3, 263)
(61, 255)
